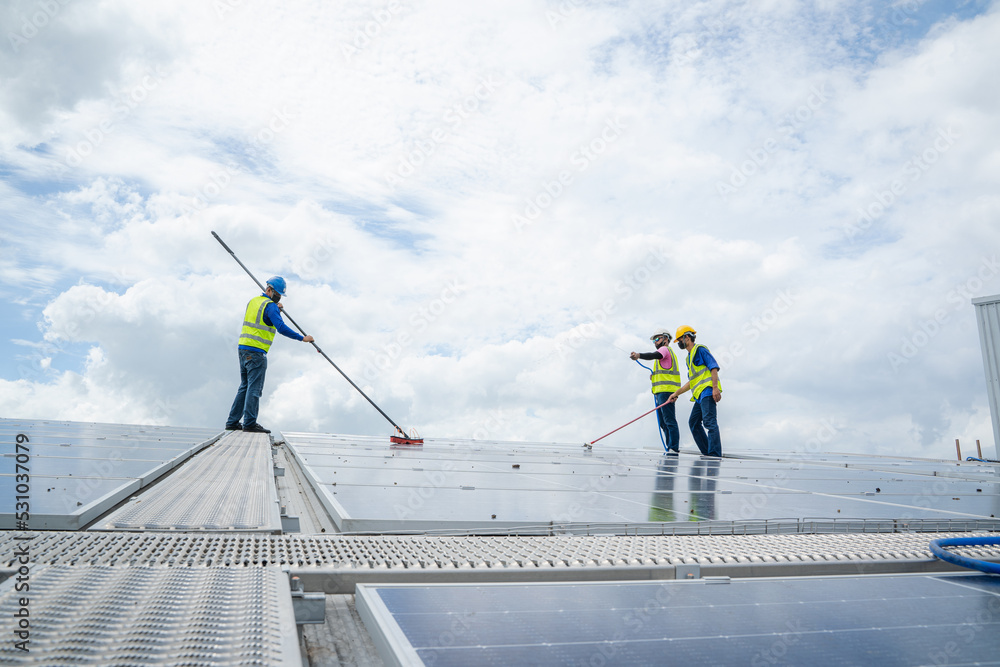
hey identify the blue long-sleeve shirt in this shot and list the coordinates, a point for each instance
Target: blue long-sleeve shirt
(272, 318)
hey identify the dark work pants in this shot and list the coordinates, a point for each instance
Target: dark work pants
(705, 426)
(253, 367)
(667, 416)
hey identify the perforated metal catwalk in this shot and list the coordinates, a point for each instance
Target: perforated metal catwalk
(101, 615)
(337, 563)
(229, 486)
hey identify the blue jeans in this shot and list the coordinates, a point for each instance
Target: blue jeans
(667, 416)
(253, 366)
(703, 412)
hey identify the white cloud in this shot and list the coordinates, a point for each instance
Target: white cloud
(387, 180)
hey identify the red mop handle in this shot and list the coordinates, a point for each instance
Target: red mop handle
(627, 423)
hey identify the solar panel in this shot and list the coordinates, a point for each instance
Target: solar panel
(76, 471)
(884, 620)
(455, 486)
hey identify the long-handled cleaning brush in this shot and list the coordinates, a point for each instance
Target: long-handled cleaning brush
(400, 437)
(589, 445)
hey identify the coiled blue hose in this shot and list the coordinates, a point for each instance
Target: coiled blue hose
(658, 429)
(938, 549)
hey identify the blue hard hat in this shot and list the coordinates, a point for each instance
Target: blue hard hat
(277, 283)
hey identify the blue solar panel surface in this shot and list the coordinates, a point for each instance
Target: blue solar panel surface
(464, 483)
(76, 467)
(883, 620)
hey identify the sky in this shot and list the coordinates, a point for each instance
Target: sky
(482, 208)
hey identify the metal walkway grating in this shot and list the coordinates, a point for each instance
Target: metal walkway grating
(229, 486)
(459, 553)
(101, 615)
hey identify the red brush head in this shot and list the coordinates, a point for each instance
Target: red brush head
(400, 438)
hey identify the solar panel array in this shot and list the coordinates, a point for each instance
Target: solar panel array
(855, 620)
(78, 471)
(466, 486)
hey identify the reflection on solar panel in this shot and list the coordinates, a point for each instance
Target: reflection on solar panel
(861, 620)
(465, 486)
(80, 470)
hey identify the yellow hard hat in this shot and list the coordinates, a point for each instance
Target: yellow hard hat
(684, 330)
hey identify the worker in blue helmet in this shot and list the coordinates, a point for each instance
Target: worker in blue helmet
(260, 322)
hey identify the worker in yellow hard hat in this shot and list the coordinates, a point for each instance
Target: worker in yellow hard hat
(666, 378)
(706, 392)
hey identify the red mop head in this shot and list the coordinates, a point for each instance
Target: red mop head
(401, 438)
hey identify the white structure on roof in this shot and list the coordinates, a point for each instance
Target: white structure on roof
(988, 317)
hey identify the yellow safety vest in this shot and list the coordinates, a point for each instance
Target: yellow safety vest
(699, 377)
(664, 380)
(255, 333)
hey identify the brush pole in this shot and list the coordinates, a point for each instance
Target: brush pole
(302, 331)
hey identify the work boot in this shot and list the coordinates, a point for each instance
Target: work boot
(233, 427)
(255, 428)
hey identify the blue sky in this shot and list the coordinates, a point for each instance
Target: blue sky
(483, 207)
